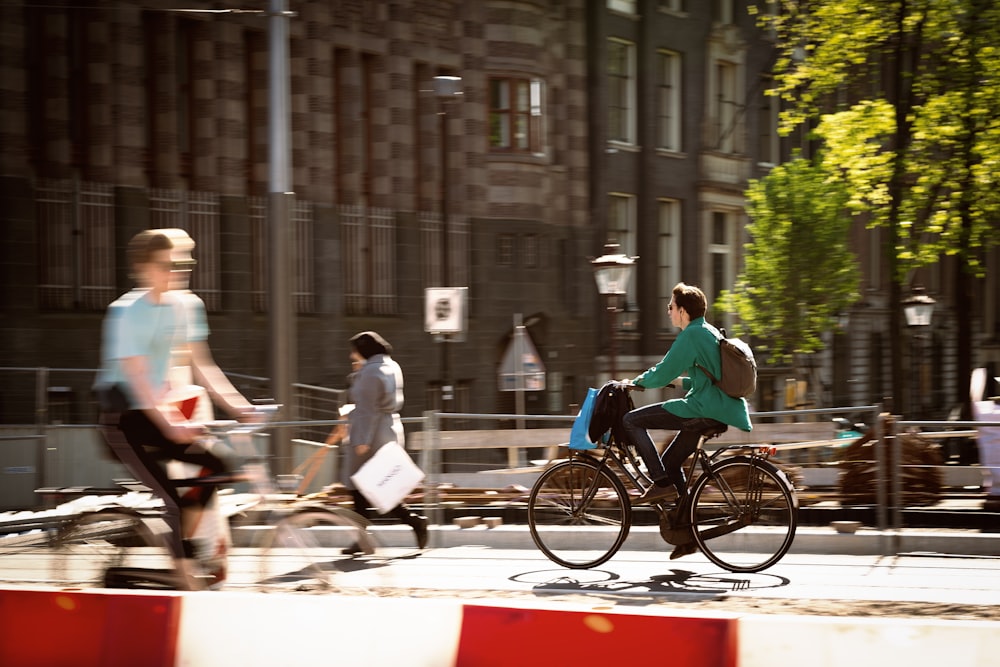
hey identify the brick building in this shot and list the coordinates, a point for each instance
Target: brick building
(122, 116)
(579, 121)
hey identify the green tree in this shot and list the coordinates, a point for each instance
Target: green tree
(905, 96)
(800, 273)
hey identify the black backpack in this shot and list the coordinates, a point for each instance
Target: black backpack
(739, 368)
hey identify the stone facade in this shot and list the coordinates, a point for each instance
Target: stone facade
(157, 103)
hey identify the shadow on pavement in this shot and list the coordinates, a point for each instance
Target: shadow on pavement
(681, 585)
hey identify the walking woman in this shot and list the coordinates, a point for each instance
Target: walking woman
(377, 394)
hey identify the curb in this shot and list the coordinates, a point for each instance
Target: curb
(808, 540)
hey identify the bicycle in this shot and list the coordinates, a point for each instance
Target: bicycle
(737, 488)
(121, 546)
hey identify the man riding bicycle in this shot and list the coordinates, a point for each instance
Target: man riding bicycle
(696, 345)
(143, 329)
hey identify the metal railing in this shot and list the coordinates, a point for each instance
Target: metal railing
(55, 441)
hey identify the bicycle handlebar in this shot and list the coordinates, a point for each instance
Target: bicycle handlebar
(223, 427)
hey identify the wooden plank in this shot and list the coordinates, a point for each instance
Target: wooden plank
(527, 437)
(767, 433)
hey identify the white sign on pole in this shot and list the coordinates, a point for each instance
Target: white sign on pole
(445, 309)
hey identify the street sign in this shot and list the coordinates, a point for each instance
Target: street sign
(445, 309)
(521, 368)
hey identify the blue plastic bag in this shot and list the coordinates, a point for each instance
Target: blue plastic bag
(578, 436)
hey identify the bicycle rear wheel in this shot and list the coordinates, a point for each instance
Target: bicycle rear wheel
(737, 494)
(576, 494)
(113, 547)
(305, 547)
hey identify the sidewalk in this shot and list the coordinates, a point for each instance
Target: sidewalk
(808, 539)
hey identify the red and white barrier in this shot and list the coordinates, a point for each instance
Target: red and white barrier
(50, 627)
(54, 628)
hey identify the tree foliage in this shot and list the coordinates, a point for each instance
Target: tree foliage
(838, 70)
(904, 97)
(799, 271)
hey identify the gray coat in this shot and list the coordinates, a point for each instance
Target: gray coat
(377, 393)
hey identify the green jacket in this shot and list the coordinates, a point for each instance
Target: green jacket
(698, 343)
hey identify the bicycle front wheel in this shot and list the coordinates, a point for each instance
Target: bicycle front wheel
(577, 496)
(739, 493)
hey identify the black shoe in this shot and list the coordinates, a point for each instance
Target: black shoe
(682, 550)
(353, 550)
(420, 528)
(654, 494)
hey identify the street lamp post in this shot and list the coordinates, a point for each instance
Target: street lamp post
(613, 271)
(446, 89)
(284, 352)
(918, 309)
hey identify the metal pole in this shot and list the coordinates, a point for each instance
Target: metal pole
(446, 392)
(896, 472)
(284, 353)
(445, 227)
(515, 456)
(42, 420)
(882, 427)
(430, 463)
(613, 312)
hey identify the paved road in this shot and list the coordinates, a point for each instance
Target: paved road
(637, 577)
(912, 583)
(957, 570)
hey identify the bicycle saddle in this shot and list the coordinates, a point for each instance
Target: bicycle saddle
(708, 428)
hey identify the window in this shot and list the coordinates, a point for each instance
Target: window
(767, 125)
(197, 213)
(726, 107)
(621, 91)
(623, 6)
(505, 250)
(669, 102)
(302, 248)
(672, 5)
(368, 236)
(256, 104)
(516, 115)
(184, 90)
(668, 268)
(76, 223)
(723, 11)
(721, 252)
(366, 125)
(529, 252)
(343, 129)
(622, 230)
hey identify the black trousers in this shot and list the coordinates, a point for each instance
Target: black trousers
(145, 451)
(400, 512)
(636, 423)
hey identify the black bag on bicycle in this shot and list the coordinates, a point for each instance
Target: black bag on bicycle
(611, 404)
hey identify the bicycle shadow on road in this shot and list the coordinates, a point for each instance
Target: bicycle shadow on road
(330, 568)
(680, 585)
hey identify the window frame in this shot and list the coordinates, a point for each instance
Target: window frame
(669, 125)
(515, 118)
(668, 258)
(623, 230)
(621, 98)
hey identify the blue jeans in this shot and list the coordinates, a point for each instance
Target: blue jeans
(682, 446)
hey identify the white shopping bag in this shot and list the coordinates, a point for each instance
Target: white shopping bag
(387, 477)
